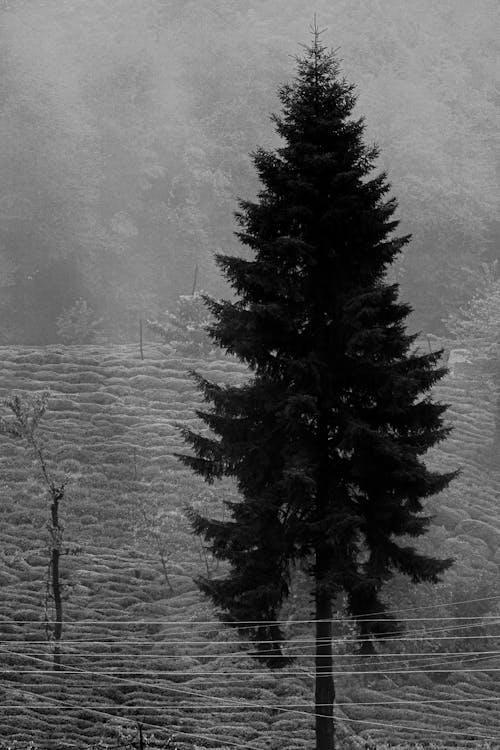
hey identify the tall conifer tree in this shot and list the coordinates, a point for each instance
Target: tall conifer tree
(326, 440)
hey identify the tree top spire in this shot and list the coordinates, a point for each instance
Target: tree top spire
(316, 32)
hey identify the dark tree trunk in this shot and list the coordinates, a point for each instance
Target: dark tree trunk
(164, 566)
(325, 689)
(56, 588)
(56, 583)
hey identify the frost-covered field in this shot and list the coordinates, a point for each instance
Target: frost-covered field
(135, 650)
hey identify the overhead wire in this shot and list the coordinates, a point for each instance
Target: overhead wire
(205, 623)
(390, 635)
(379, 659)
(344, 704)
(422, 660)
(338, 672)
(111, 639)
(380, 656)
(251, 623)
(241, 652)
(203, 696)
(173, 732)
(277, 656)
(466, 734)
(237, 704)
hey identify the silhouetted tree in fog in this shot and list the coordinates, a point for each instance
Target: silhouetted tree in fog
(327, 437)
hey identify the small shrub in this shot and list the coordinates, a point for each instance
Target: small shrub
(78, 324)
(186, 328)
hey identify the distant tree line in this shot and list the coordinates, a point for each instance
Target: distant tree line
(138, 142)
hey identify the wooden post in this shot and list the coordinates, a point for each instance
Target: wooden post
(195, 279)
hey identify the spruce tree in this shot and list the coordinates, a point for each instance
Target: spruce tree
(326, 439)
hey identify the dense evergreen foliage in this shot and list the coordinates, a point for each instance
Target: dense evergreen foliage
(326, 439)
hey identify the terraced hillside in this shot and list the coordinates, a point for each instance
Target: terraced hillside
(139, 647)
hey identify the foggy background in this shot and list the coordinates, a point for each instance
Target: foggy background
(126, 127)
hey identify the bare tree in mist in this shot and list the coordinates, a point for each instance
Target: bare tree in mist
(27, 412)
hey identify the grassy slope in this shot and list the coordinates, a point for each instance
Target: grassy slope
(112, 426)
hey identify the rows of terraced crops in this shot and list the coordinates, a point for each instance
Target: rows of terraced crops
(133, 650)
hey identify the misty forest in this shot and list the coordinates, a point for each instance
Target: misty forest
(249, 375)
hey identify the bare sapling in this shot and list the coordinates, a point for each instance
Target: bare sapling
(27, 412)
(158, 527)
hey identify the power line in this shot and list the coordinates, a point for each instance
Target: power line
(493, 597)
(144, 723)
(118, 656)
(392, 726)
(443, 658)
(221, 656)
(349, 704)
(340, 673)
(382, 656)
(255, 623)
(198, 693)
(202, 695)
(115, 673)
(237, 704)
(346, 661)
(385, 637)
(112, 641)
(253, 704)
(419, 729)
